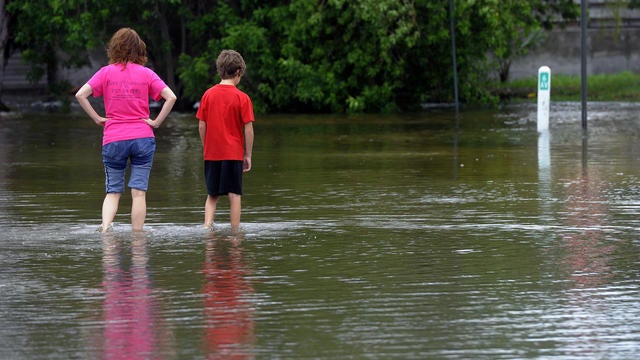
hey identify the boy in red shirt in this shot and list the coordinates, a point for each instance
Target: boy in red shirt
(226, 131)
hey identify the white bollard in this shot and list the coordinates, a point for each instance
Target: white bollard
(544, 97)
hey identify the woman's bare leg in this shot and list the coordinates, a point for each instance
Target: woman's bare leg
(109, 209)
(138, 209)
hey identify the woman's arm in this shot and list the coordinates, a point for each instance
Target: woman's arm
(169, 99)
(83, 99)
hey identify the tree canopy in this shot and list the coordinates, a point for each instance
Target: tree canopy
(302, 55)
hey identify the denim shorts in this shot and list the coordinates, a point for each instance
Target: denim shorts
(116, 156)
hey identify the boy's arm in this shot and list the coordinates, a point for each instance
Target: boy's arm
(248, 146)
(202, 129)
(83, 99)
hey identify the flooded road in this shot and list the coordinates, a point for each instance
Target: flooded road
(420, 236)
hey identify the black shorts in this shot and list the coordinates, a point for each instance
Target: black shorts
(223, 177)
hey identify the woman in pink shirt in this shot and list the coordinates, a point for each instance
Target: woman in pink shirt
(126, 86)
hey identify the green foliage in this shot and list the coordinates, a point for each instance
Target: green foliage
(302, 55)
(52, 33)
(195, 74)
(489, 33)
(309, 56)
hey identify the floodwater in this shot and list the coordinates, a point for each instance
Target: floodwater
(419, 236)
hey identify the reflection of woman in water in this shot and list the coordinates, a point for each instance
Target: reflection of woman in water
(228, 313)
(131, 325)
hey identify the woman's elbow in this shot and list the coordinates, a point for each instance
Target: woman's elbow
(169, 96)
(84, 92)
(80, 95)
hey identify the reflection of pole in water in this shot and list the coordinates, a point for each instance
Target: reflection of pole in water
(584, 155)
(544, 165)
(455, 145)
(587, 254)
(229, 316)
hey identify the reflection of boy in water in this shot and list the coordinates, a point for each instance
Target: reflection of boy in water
(226, 131)
(229, 317)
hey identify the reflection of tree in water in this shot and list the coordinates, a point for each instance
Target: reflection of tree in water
(228, 312)
(586, 257)
(132, 328)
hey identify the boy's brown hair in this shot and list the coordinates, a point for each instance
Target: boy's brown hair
(230, 63)
(125, 47)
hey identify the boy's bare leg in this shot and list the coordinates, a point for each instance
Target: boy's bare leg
(138, 209)
(210, 210)
(109, 209)
(235, 205)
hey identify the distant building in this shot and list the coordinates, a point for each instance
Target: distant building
(613, 44)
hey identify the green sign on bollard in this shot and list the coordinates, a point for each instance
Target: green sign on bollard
(544, 81)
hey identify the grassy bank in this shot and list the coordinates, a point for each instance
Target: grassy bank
(624, 86)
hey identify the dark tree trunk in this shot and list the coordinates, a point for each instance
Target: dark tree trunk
(4, 53)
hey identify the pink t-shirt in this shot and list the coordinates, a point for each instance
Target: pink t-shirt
(126, 91)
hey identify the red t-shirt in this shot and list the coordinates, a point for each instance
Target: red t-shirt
(226, 110)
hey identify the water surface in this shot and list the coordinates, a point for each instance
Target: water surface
(407, 236)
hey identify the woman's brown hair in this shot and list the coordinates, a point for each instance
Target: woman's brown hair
(125, 47)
